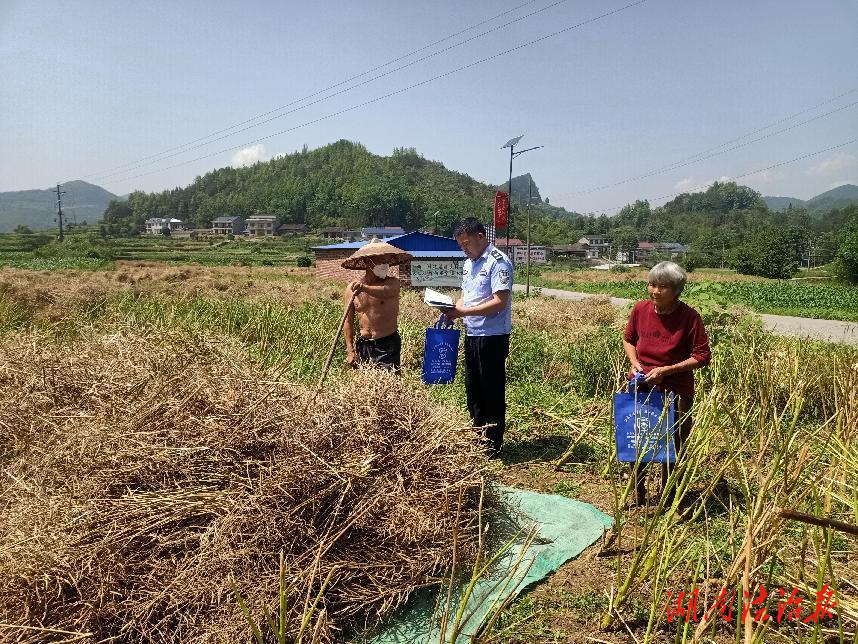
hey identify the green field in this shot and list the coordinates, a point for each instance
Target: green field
(823, 299)
(84, 249)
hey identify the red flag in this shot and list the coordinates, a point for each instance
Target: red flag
(501, 209)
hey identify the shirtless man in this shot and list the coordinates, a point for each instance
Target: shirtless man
(376, 302)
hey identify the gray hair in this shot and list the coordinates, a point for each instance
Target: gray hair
(668, 274)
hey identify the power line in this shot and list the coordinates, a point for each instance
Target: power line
(708, 154)
(398, 91)
(738, 176)
(246, 125)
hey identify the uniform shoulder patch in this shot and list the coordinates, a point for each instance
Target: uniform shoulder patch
(496, 254)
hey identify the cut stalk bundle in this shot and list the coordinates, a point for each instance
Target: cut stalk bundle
(148, 483)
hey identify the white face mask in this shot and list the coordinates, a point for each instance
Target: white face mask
(380, 270)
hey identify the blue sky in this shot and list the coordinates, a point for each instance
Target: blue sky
(90, 88)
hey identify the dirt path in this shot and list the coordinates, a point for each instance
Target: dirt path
(828, 330)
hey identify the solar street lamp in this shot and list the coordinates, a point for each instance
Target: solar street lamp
(512, 154)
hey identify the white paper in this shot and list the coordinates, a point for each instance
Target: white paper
(438, 300)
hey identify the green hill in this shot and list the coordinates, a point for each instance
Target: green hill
(341, 184)
(782, 203)
(37, 209)
(839, 197)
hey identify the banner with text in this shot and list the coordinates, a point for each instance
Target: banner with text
(436, 273)
(537, 254)
(501, 219)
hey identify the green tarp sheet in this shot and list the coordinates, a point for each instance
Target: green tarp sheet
(564, 528)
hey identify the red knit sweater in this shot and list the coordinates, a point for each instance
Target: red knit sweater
(663, 340)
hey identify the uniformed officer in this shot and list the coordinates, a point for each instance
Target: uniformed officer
(486, 309)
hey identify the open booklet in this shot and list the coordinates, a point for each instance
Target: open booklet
(437, 299)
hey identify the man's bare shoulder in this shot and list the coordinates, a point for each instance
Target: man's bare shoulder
(393, 282)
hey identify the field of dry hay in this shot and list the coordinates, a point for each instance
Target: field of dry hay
(150, 478)
(775, 427)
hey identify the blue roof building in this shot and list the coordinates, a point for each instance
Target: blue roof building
(434, 254)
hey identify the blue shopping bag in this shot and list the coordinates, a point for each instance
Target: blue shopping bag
(644, 424)
(441, 354)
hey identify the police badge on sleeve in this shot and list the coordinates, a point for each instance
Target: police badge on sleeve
(503, 276)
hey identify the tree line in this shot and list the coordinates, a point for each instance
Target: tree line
(343, 184)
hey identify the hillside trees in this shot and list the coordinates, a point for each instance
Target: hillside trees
(769, 253)
(343, 184)
(847, 248)
(119, 219)
(340, 183)
(624, 239)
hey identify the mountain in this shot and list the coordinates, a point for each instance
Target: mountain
(37, 209)
(521, 186)
(838, 197)
(782, 203)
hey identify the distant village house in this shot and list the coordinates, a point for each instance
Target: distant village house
(382, 232)
(294, 229)
(157, 225)
(599, 243)
(577, 250)
(228, 225)
(262, 226)
(647, 251)
(339, 233)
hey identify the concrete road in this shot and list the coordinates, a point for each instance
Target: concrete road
(828, 330)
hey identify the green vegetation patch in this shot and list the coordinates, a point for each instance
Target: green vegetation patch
(810, 299)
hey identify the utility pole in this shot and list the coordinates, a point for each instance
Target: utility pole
(60, 194)
(529, 200)
(509, 190)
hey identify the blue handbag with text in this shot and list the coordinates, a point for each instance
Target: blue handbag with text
(644, 424)
(441, 354)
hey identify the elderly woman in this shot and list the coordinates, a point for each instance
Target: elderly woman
(665, 340)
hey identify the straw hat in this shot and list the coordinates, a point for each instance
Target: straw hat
(376, 252)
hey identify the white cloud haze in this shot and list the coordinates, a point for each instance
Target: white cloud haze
(689, 184)
(249, 156)
(684, 185)
(833, 164)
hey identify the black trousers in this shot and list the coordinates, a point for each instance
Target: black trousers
(485, 384)
(683, 406)
(385, 352)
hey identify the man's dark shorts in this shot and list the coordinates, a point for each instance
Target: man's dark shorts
(385, 352)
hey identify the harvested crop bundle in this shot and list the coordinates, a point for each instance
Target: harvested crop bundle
(147, 478)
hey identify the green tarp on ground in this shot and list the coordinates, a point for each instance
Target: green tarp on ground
(565, 527)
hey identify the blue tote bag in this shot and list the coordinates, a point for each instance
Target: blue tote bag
(644, 424)
(441, 354)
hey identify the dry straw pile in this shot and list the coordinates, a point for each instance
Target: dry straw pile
(141, 479)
